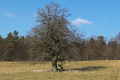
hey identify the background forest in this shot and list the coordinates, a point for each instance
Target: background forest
(17, 48)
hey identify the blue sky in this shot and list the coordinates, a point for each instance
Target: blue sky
(93, 17)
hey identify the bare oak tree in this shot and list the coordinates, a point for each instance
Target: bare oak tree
(54, 36)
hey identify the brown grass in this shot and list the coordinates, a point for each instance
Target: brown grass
(86, 70)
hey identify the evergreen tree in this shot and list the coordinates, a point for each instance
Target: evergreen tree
(12, 46)
(92, 40)
(9, 42)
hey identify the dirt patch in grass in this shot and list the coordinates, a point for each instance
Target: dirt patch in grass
(64, 71)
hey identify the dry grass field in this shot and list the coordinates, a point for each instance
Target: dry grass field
(87, 70)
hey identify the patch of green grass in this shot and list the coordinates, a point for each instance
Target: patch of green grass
(87, 70)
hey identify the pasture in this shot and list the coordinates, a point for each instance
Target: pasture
(86, 70)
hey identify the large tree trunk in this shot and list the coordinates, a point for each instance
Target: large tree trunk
(54, 65)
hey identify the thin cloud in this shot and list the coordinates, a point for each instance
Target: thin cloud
(105, 21)
(35, 15)
(8, 14)
(79, 22)
(4, 11)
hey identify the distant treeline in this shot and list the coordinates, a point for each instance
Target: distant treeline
(16, 48)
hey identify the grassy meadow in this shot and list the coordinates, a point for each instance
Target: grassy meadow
(87, 70)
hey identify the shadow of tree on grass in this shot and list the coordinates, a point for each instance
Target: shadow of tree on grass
(90, 68)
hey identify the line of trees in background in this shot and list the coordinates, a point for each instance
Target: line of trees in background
(17, 48)
(13, 48)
